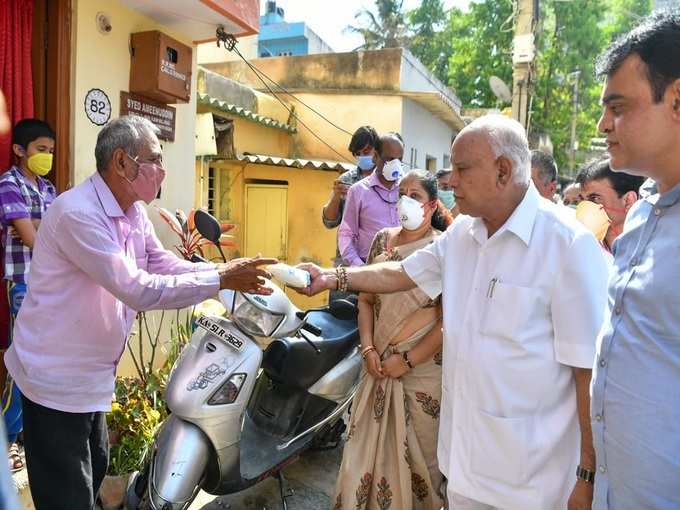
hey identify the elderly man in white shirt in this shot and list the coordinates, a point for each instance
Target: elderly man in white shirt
(524, 292)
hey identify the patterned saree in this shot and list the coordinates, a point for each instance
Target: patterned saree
(390, 456)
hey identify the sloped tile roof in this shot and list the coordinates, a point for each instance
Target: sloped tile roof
(225, 107)
(263, 159)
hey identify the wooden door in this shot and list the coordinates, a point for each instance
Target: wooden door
(266, 221)
(51, 55)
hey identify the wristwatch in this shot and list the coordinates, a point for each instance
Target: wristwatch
(585, 474)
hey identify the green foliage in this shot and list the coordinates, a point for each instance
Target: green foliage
(569, 39)
(622, 15)
(133, 421)
(429, 41)
(470, 46)
(480, 46)
(384, 29)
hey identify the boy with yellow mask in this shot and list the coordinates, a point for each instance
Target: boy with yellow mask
(25, 195)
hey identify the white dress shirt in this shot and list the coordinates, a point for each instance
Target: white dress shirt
(520, 309)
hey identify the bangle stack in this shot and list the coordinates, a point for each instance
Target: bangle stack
(406, 360)
(366, 350)
(341, 276)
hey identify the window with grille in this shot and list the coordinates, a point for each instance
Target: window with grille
(213, 191)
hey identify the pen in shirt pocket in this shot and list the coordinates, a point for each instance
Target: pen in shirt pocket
(492, 287)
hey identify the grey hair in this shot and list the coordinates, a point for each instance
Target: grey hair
(508, 138)
(129, 133)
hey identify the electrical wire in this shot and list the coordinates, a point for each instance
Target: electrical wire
(290, 110)
(285, 91)
(230, 45)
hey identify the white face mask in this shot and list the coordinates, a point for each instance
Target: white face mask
(411, 213)
(392, 170)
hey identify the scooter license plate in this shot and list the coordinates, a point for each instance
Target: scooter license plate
(212, 327)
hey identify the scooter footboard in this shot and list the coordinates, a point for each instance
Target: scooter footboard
(179, 463)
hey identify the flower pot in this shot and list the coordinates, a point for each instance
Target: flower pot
(112, 492)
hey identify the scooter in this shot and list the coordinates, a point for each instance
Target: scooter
(249, 394)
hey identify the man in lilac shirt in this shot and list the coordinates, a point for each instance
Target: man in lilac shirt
(96, 261)
(372, 202)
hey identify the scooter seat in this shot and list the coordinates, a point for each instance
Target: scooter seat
(294, 362)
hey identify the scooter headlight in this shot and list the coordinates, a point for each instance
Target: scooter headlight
(254, 320)
(228, 392)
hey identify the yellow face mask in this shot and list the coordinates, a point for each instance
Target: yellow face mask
(40, 163)
(594, 217)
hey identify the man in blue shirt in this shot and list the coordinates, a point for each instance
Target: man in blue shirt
(635, 407)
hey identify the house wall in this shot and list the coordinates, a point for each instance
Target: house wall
(425, 132)
(103, 61)
(316, 44)
(347, 111)
(290, 46)
(282, 38)
(255, 138)
(308, 190)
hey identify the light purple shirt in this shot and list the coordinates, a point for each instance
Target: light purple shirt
(369, 207)
(93, 266)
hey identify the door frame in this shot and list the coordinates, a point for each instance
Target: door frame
(51, 56)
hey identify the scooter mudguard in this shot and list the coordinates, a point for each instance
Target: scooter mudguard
(179, 463)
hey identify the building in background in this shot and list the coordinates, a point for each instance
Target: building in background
(252, 175)
(278, 38)
(389, 89)
(274, 161)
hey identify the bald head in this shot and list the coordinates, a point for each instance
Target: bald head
(506, 138)
(490, 163)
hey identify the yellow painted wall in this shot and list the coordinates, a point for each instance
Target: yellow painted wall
(103, 61)
(255, 138)
(258, 139)
(308, 239)
(347, 111)
(269, 106)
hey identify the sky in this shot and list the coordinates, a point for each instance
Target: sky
(329, 18)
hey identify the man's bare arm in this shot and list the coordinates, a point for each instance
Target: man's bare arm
(581, 497)
(382, 278)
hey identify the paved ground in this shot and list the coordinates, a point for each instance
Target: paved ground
(311, 478)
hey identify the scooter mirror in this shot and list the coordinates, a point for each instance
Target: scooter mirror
(343, 309)
(208, 226)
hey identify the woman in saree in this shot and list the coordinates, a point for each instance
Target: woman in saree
(390, 456)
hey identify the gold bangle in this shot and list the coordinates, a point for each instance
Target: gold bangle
(366, 350)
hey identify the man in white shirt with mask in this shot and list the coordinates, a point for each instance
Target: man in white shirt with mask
(529, 286)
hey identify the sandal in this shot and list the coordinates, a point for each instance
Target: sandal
(16, 462)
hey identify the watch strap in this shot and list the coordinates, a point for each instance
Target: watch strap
(585, 474)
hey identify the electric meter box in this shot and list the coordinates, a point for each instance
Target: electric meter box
(160, 67)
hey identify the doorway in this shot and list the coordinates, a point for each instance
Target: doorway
(266, 222)
(51, 66)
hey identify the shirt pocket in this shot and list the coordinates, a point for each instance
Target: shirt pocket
(500, 448)
(507, 310)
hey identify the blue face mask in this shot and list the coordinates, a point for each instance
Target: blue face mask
(447, 198)
(365, 162)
